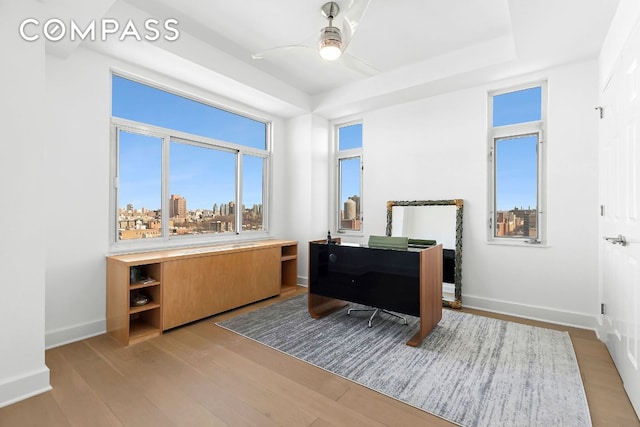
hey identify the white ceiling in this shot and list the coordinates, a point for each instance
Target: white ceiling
(418, 47)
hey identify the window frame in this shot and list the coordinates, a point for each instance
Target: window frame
(341, 155)
(168, 136)
(517, 130)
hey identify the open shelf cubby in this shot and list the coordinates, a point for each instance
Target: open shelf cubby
(289, 267)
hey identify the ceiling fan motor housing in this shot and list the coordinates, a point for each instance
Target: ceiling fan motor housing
(331, 33)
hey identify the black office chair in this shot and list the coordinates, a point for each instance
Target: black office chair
(384, 242)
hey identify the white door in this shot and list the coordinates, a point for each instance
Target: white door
(619, 183)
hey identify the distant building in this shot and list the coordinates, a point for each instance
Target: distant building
(177, 207)
(349, 209)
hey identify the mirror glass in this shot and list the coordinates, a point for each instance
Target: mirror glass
(439, 220)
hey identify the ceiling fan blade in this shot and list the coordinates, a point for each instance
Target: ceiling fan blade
(356, 64)
(274, 51)
(353, 15)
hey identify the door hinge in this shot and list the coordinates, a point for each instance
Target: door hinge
(603, 308)
(601, 210)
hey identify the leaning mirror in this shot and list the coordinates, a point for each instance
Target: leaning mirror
(427, 220)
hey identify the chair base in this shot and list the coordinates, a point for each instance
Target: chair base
(376, 311)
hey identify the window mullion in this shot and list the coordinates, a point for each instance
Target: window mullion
(164, 223)
(239, 209)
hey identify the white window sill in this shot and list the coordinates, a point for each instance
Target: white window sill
(518, 243)
(349, 233)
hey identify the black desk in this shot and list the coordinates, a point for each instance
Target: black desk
(408, 282)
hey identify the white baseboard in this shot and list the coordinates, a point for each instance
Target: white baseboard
(22, 387)
(75, 333)
(544, 314)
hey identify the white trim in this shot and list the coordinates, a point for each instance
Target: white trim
(176, 87)
(347, 154)
(506, 241)
(24, 386)
(74, 333)
(532, 312)
(167, 136)
(512, 131)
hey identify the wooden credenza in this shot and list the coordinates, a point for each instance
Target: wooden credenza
(184, 285)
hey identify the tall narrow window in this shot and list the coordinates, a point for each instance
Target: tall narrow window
(349, 177)
(517, 122)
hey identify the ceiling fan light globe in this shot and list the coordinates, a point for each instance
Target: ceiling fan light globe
(330, 51)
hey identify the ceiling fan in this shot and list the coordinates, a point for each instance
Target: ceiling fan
(332, 42)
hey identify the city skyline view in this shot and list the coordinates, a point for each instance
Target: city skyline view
(202, 180)
(205, 176)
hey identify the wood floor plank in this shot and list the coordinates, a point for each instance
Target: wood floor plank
(77, 399)
(194, 385)
(387, 411)
(295, 369)
(122, 395)
(31, 412)
(272, 389)
(253, 391)
(322, 423)
(147, 369)
(204, 375)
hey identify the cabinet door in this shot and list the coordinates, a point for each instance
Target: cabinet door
(195, 288)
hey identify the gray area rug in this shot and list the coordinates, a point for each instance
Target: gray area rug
(471, 370)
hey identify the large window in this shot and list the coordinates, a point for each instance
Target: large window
(516, 164)
(183, 169)
(349, 164)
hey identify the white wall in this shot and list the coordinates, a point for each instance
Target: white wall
(77, 195)
(626, 17)
(306, 186)
(436, 149)
(76, 187)
(22, 252)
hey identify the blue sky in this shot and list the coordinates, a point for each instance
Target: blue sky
(516, 160)
(350, 137)
(204, 177)
(516, 172)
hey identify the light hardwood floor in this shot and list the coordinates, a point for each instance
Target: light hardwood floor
(202, 375)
